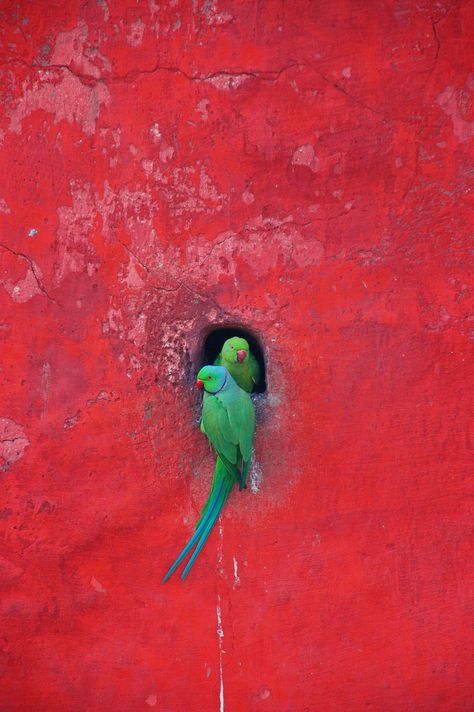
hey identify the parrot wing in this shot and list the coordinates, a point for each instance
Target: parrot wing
(223, 437)
(241, 416)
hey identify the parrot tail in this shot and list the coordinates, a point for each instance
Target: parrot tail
(221, 487)
(219, 473)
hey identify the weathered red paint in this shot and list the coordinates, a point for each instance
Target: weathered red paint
(299, 168)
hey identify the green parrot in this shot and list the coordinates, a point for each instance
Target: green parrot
(242, 365)
(228, 421)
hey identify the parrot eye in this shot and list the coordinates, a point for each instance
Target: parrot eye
(209, 378)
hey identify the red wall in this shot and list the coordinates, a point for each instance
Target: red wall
(302, 168)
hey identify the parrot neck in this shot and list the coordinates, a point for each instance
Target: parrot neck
(223, 385)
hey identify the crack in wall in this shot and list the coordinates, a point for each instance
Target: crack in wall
(31, 263)
(434, 28)
(91, 80)
(360, 103)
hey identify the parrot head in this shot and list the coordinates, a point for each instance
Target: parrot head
(212, 378)
(235, 350)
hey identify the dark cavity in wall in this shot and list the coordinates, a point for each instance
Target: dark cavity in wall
(213, 341)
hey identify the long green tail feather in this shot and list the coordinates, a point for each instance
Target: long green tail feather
(210, 523)
(211, 502)
(219, 475)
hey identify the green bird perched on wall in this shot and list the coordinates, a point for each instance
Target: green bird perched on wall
(242, 365)
(228, 421)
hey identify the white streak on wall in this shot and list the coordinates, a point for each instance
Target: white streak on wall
(220, 637)
(256, 477)
(220, 552)
(220, 632)
(236, 574)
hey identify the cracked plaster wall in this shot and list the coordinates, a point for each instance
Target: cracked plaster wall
(301, 167)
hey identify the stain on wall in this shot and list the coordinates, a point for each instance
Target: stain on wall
(304, 170)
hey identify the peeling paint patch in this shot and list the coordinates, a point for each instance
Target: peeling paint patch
(13, 442)
(248, 197)
(155, 133)
(75, 223)
(166, 154)
(202, 108)
(71, 49)
(449, 102)
(137, 332)
(174, 346)
(214, 16)
(284, 243)
(309, 252)
(228, 249)
(72, 420)
(113, 322)
(132, 278)
(226, 82)
(102, 396)
(67, 99)
(305, 156)
(135, 38)
(24, 289)
(207, 189)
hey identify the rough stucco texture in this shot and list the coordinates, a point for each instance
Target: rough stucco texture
(300, 168)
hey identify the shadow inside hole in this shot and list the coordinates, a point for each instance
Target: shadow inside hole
(214, 341)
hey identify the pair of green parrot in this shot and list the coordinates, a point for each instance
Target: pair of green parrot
(228, 421)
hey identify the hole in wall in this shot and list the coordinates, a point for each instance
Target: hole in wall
(213, 341)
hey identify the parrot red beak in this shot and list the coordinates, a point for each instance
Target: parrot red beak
(199, 384)
(241, 354)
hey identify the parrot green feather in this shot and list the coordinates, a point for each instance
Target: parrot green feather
(245, 372)
(228, 421)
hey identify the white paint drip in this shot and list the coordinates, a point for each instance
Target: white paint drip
(220, 637)
(236, 575)
(220, 552)
(220, 631)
